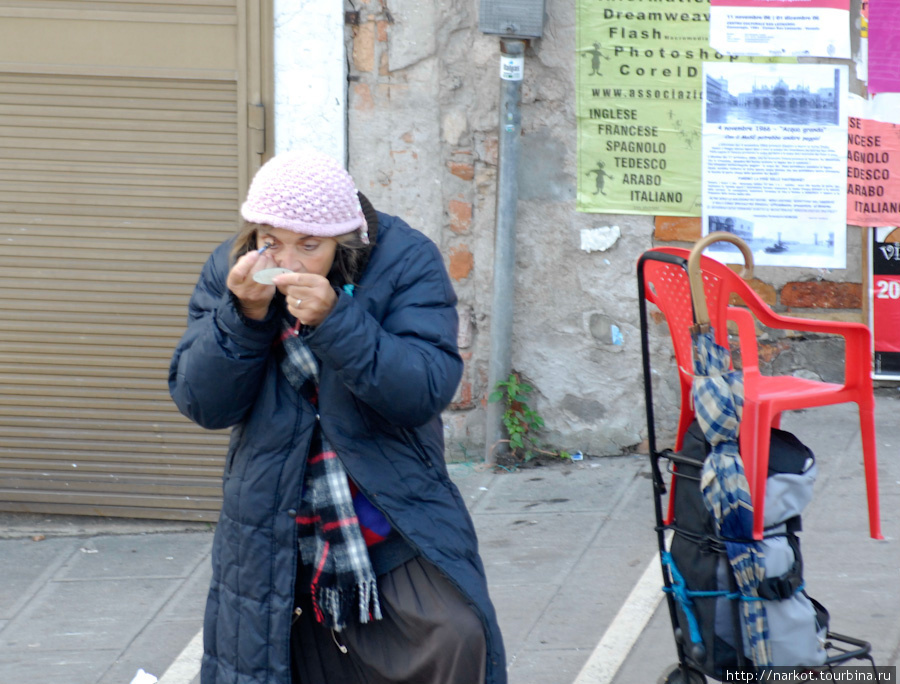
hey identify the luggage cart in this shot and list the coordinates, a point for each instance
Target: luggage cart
(693, 635)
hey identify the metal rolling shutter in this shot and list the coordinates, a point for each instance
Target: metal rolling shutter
(115, 184)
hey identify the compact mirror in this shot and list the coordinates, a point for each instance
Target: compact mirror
(265, 276)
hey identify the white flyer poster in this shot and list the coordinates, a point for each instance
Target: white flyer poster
(861, 58)
(781, 28)
(775, 161)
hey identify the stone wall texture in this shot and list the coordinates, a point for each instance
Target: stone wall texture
(423, 144)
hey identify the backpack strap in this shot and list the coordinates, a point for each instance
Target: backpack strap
(786, 585)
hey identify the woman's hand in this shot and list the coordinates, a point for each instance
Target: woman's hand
(253, 296)
(310, 297)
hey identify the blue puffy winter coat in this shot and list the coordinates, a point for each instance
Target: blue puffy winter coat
(389, 366)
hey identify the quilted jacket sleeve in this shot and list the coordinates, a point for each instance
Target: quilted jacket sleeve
(219, 364)
(406, 366)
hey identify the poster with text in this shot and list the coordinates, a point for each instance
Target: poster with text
(775, 162)
(884, 301)
(639, 69)
(873, 160)
(808, 28)
(861, 58)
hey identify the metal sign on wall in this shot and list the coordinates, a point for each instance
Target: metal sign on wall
(514, 18)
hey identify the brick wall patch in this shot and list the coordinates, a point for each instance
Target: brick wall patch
(364, 47)
(363, 101)
(460, 215)
(678, 228)
(462, 170)
(461, 262)
(821, 294)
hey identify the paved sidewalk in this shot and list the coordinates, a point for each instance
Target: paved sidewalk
(90, 601)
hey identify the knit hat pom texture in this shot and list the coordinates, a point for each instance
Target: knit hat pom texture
(304, 191)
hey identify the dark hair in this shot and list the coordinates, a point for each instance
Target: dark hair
(350, 258)
(352, 254)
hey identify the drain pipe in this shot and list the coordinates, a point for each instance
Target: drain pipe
(512, 60)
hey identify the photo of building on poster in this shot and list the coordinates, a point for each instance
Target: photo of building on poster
(884, 301)
(775, 162)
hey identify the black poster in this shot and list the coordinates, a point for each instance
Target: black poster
(885, 301)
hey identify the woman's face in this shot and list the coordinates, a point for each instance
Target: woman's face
(297, 252)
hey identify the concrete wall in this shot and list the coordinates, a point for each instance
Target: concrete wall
(422, 138)
(310, 76)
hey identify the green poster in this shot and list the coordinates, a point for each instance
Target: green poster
(639, 85)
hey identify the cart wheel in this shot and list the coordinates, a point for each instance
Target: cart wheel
(681, 674)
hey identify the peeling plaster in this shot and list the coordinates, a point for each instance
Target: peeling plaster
(599, 239)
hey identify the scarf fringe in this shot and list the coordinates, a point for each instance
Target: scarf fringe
(334, 605)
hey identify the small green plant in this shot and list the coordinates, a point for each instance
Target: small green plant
(521, 421)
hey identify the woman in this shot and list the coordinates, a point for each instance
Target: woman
(343, 552)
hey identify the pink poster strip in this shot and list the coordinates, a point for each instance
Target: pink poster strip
(873, 165)
(884, 47)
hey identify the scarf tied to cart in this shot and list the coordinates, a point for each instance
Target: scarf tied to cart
(718, 398)
(329, 534)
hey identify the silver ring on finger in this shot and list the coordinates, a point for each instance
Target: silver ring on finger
(297, 305)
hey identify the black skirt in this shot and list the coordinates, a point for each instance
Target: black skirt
(428, 635)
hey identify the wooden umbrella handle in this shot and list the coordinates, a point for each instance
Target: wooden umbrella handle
(701, 313)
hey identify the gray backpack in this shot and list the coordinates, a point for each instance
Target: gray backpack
(797, 623)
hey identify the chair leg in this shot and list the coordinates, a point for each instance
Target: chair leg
(754, 448)
(747, 439)
(761, 471)
(867, 430)
(684, 422)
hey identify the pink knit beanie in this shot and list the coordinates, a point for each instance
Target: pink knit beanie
(307, 192)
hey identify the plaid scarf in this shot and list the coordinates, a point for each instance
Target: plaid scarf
(329, 535)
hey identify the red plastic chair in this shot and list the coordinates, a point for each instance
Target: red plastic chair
(765, 397)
